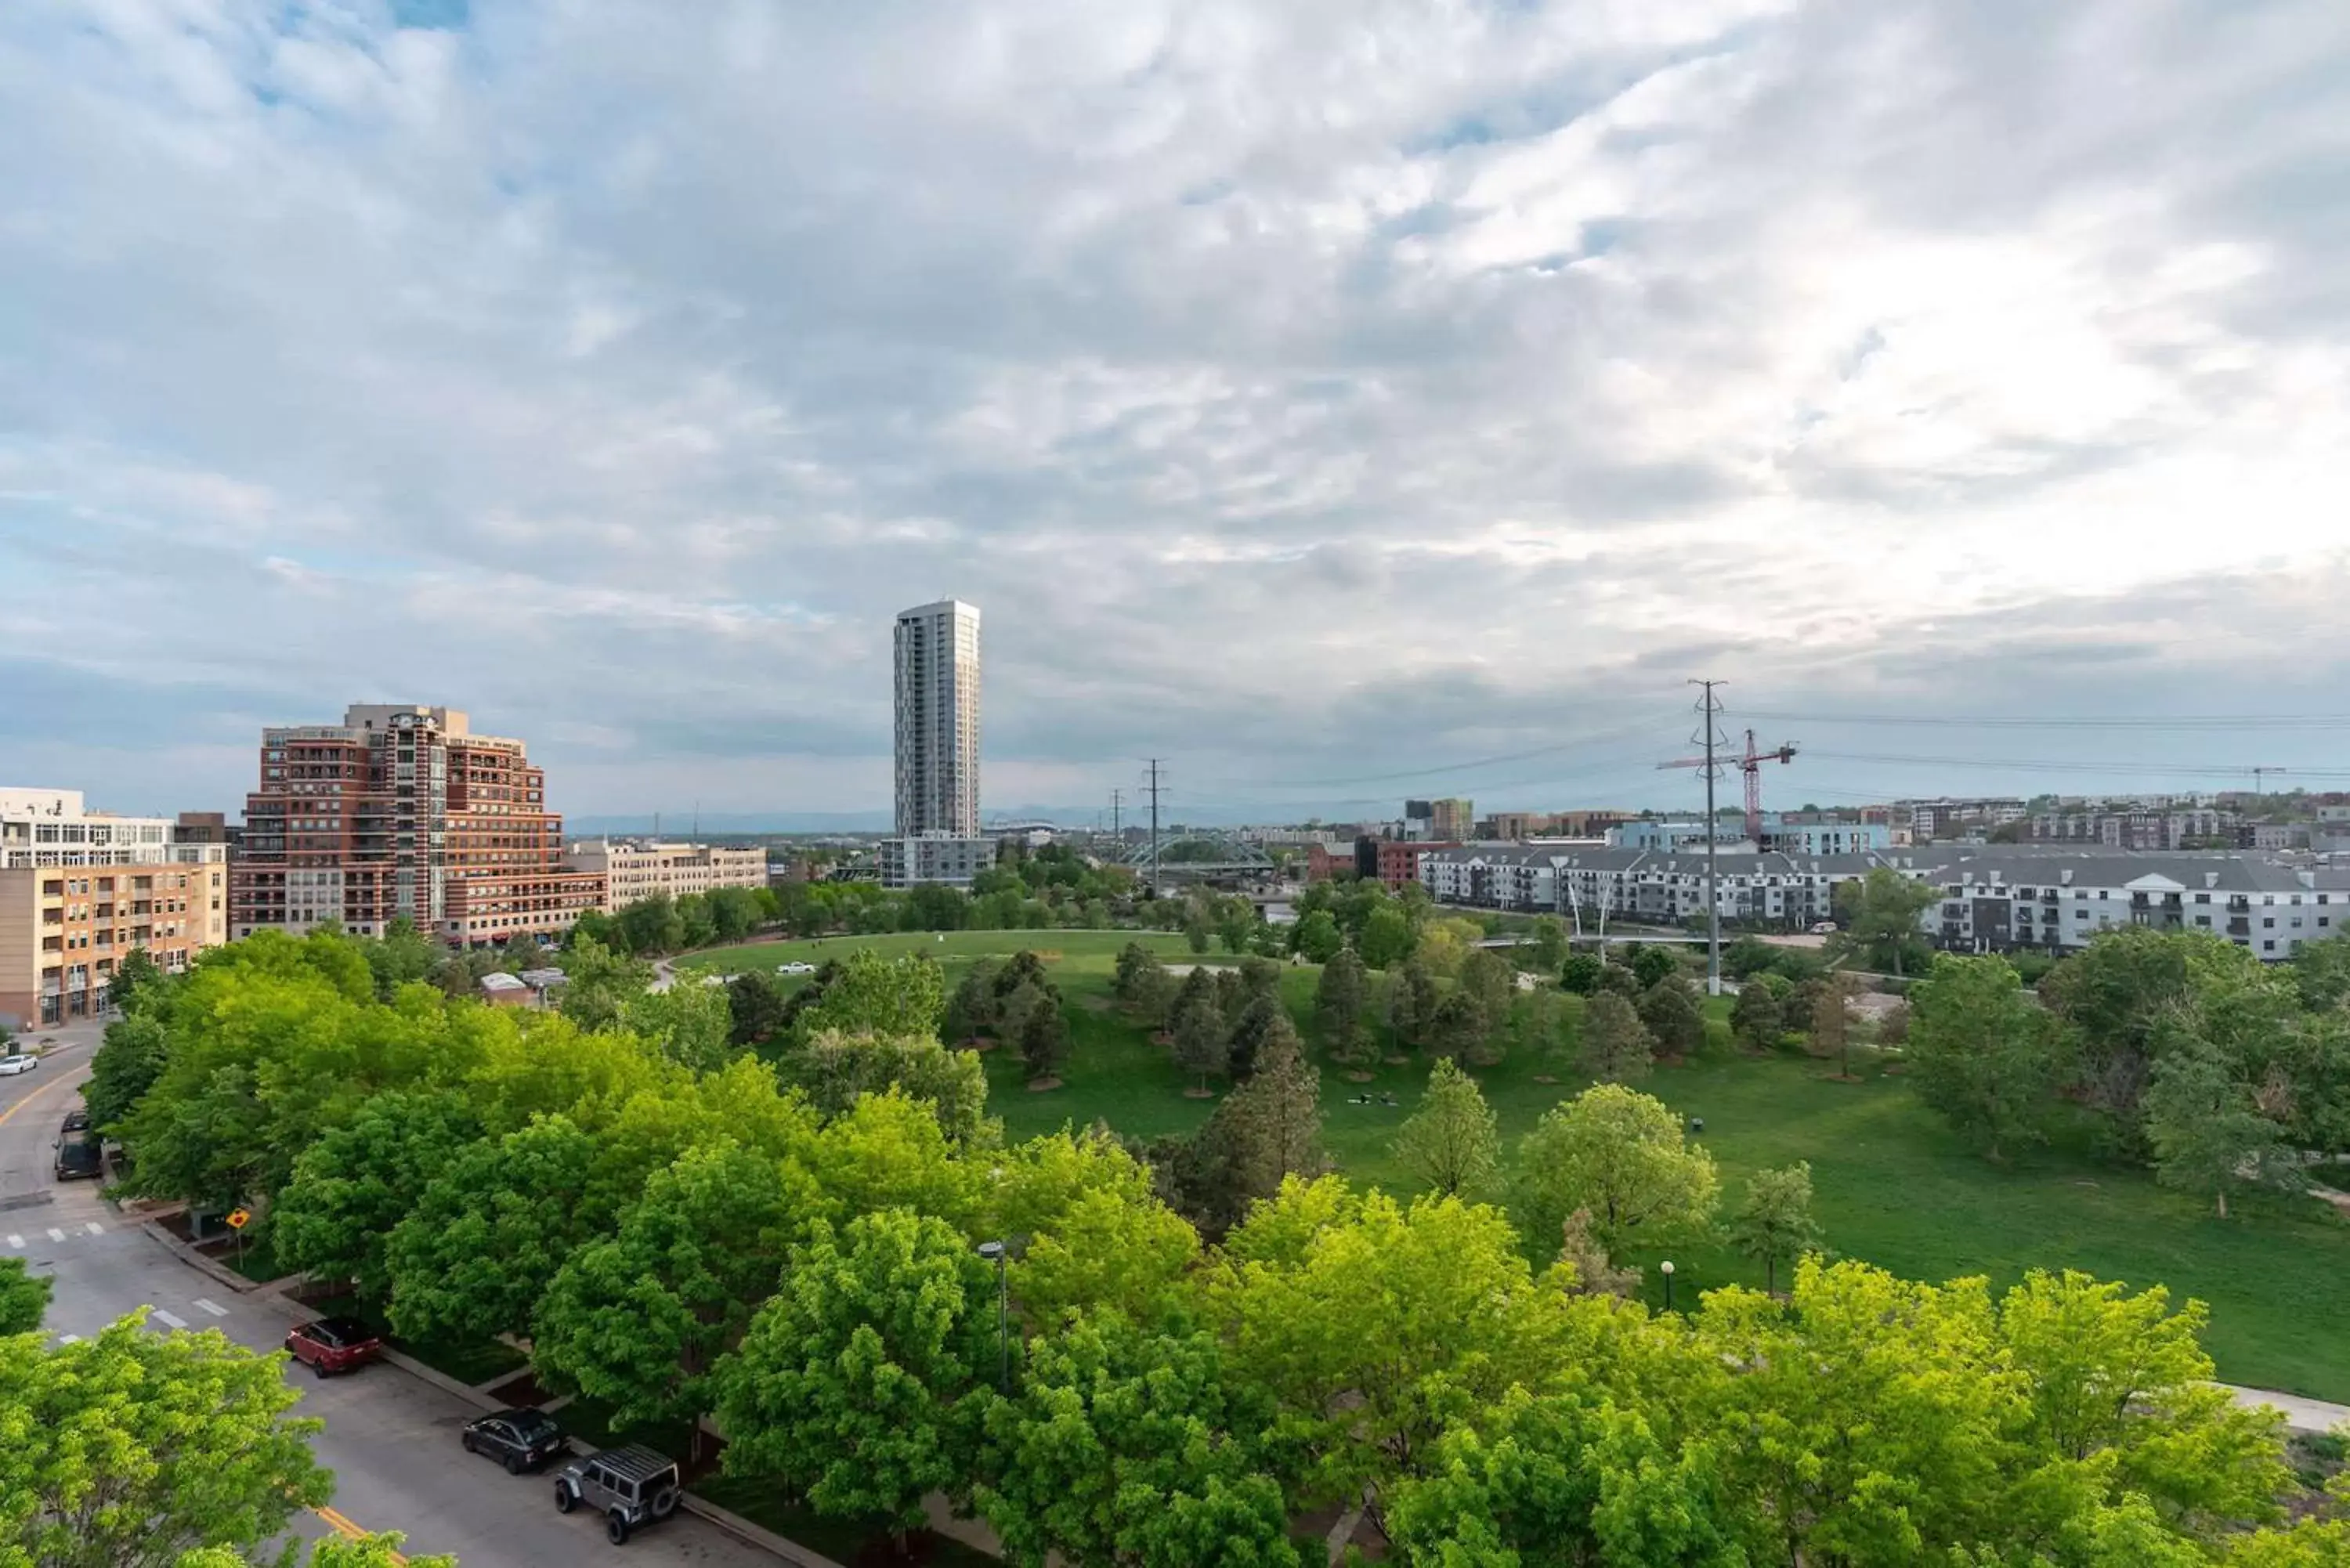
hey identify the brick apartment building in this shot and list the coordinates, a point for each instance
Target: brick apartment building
(80, 890)
(402, 810)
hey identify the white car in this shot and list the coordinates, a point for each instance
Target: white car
(1824, 928)
(795, 968)
(11, 1066)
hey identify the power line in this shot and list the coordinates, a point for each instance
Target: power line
(2133, 769)
(1708, 707)
(1154, 827)
(1623, 734)
(2078, 722)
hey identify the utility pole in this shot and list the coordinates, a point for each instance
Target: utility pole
(1707, 706)
(1116, 831)
(1154, 827)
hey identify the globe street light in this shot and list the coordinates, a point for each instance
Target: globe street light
(1666, 1269)
(996, 1253)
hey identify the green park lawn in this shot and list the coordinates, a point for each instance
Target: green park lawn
(1894, 1187)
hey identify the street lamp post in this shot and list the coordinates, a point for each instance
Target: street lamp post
(996, 1253)
(1666, 1269)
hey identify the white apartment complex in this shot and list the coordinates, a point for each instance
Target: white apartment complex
(1995, 899)
(634, 871)
(937, 662)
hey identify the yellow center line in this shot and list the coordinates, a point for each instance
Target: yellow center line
(29, 1099)
(346, 1529)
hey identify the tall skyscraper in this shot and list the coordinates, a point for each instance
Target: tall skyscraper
(402, 810)
(938, 720)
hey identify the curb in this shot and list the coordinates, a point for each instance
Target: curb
(187, 1254)
(734, 1524)
(750, 1535)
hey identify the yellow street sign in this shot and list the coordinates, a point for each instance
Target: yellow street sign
(238, 1218)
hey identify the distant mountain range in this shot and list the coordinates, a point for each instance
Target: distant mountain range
(681, 825)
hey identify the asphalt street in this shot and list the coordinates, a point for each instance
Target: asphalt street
(390, 1439)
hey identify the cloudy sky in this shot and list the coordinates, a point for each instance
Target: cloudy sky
(1322, 395)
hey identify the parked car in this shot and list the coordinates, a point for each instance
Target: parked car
(1824, 928)
(334, 1345)
(522, 1440)
(78, 1157)
(75, 1121)
(796, 967)
(15, 1063)
(631, 1487)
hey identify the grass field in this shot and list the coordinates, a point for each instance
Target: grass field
(1894, 1187)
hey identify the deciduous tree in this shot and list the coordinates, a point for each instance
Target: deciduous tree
(871, 994)
(600, 982)
(1981, 1054)
(860, 1381)
(1316, 938)
(128, 1448)
(1373, 1324)
(692, 1024)
(1623, 1155)
(2208, 1132)
(834, 1071)
(1450, 1142)
(24, 1297)
(1548, 948)
(1387, 938)
(477, 1251)
(755, 1010)
(1126, 1448)
(361, 1179)
(1653, 963)
(1772, 1224)
(1580, 973)
(1880, 914)
(637, 1320)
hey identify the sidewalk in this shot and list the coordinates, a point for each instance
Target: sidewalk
(2310, 1416)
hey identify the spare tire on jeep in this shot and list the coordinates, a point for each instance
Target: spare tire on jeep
(665, 1502)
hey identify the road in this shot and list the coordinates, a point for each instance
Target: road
(390, 1439)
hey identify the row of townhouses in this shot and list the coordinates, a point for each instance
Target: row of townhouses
(1995, 899)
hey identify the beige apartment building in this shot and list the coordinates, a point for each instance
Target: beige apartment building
(632, 871)
(80, 889)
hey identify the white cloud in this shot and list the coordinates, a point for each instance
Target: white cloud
(1299, 387)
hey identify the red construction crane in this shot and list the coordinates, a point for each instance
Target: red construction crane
(1750, 764)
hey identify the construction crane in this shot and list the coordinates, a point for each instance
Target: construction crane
(1750, 764)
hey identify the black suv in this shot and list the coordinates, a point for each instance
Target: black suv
(78, 1157)
(75, 1121)
(631, 1486)
(523, 1439)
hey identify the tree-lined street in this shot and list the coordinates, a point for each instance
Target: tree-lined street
(390, 1439)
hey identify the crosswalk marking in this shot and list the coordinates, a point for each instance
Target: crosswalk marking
(170, 1319)
(95, 1229)
(56, 1234)
(212, 1307)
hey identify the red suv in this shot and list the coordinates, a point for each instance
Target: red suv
(334, 1345)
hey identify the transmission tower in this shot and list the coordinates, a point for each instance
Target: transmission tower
(1153, 787)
